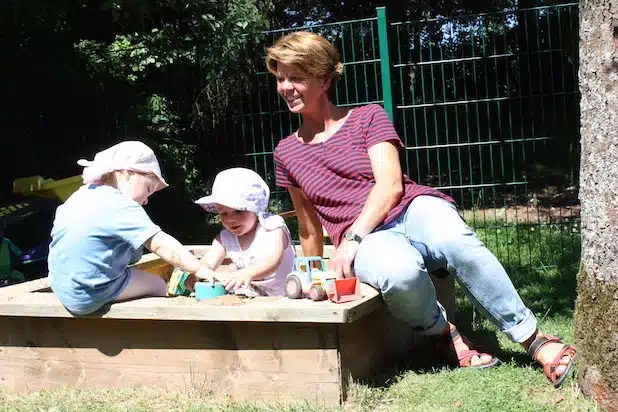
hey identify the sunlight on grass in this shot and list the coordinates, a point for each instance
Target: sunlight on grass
(142, 399)
(509, 387)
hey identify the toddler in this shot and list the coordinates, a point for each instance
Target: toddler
(258, 243)
(102, 227)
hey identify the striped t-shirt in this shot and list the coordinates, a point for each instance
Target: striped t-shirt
(336, 175)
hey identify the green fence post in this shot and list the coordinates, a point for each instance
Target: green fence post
(385, 62)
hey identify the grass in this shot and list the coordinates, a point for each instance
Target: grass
(542, 262)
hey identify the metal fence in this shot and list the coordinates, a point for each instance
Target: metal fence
(487, 107)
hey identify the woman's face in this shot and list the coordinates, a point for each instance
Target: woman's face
(300, 91)
(239, 222)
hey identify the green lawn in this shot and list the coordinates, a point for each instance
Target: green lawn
(542, 262)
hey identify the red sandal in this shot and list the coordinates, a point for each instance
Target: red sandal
(465, 357)
(550, 368)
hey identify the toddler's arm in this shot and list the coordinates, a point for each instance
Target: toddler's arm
(216, 254)
(173, 252)
(266, 265)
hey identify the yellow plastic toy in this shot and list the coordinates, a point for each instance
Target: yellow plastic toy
(48, 188)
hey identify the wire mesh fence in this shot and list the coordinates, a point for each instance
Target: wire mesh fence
(486, 105)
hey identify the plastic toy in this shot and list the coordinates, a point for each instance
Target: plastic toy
(204, 290)
(49, 188)
(181, 283)
(178, 283)
(25, 224)
(318, 284)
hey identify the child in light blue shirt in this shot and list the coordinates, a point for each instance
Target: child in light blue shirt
(100, 230)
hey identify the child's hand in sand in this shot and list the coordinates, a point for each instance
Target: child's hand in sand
(234, 280)
(204, 273)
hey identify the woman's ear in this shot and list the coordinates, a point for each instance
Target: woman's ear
(326, 82)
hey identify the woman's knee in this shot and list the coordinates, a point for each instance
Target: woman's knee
(390, 263)
(463, 250)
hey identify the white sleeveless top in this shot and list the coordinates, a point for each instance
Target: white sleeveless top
(271, 285)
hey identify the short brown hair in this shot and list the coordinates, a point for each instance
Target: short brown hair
(308, 52)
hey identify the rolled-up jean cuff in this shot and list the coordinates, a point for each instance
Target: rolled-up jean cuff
(524, 329)
(440, 325)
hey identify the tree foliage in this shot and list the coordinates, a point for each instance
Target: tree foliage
(86, 74)
(178, 74)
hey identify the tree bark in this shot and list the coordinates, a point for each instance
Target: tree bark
(596, 315)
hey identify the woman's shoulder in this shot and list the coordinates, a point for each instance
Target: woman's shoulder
(369, 109)
(286, 143)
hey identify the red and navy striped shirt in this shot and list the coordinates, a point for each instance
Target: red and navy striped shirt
(336, 175)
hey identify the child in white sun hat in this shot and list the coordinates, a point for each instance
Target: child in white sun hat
(257, 242)
(102, 227)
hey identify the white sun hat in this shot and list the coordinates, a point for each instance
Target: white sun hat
(241, 189)
(128, 155)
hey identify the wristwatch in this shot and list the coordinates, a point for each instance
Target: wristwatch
(351, 236)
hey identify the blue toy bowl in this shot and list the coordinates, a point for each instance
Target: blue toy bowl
(204, 290)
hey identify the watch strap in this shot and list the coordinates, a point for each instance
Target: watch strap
(349, 235)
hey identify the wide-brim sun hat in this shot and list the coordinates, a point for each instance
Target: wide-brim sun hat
(128, 155)
(237, 188)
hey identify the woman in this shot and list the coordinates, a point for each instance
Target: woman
(342, 170)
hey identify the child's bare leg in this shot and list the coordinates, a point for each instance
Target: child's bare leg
(143, 284)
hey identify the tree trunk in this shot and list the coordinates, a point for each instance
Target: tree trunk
(596, 316)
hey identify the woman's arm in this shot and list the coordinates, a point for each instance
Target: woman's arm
(385, 194)
(387, 191)
(309, 226)
(267, 264)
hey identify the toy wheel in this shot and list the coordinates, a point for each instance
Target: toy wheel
(293, 287)
(317, 292)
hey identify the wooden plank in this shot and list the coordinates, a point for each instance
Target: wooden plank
(240, 360)
(374, 344)
(24, 287)
(260, 309)
(157, 267)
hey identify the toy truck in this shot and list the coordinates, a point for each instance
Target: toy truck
(318, 284)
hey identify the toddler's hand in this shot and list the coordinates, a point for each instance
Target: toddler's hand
(205, 273)
(233, 281)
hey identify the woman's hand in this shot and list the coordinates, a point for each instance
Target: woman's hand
(342, 262)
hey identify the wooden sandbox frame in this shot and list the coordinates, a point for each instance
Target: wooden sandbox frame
(263, 348)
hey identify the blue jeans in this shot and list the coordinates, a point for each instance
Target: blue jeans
(397, 257)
